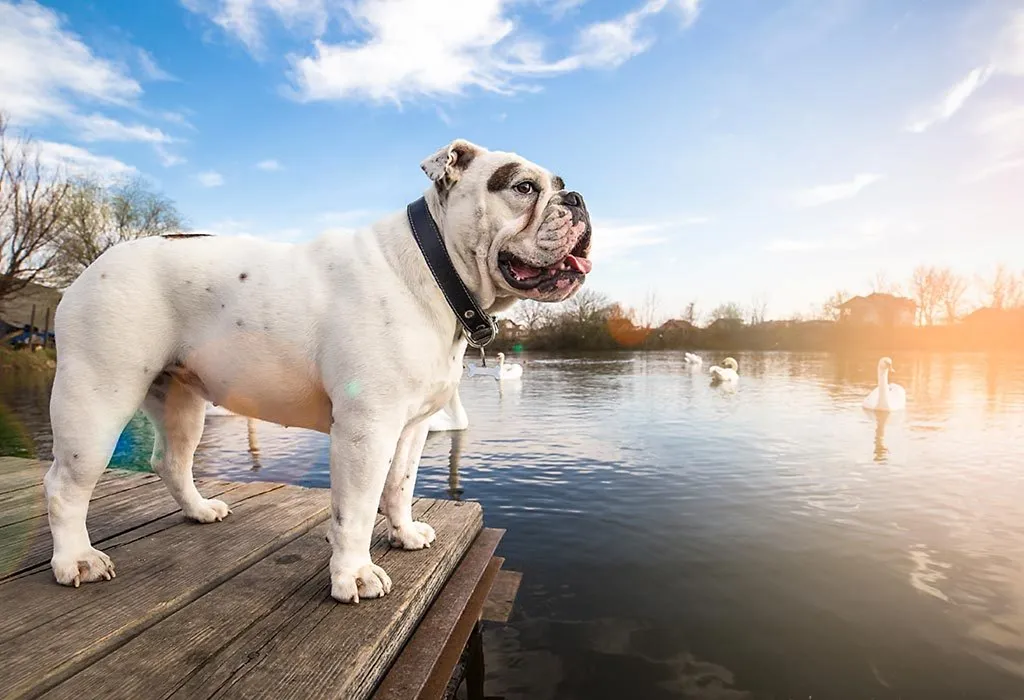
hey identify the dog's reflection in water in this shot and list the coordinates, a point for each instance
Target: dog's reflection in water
(254, 444)
(454, 490)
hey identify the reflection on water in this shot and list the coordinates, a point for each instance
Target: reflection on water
(681, 540)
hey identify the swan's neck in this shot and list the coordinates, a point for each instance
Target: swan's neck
(883, 387)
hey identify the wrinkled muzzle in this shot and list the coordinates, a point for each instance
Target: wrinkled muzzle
(552, 264)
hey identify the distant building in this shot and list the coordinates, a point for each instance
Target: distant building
(676, 325)
(879, 310)
(726, 325)
(995, 317)
(16, 310)
(510, 329)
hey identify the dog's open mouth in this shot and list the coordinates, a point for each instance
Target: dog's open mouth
(521, 275)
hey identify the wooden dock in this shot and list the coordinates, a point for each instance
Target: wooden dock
(237, 609)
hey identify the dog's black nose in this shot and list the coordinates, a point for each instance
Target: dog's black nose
(572, 199)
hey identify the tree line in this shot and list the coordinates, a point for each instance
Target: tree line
(53, 224)
(591, 321)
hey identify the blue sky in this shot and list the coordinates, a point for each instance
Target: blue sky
(728, 149)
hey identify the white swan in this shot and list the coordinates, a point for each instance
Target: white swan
(727, 373)
(691, 359)
(886, 396)
(502, 372)
(451, 417)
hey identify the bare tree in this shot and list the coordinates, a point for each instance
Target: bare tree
(587, 306)
(691, 314)
(758, 309)
(728, 310)
(648, 314)
(1004, 289)
(531, 314)
(881, 284)
(925, 288)
(99, 216)
(32, 202)
(832, 308)
(950, 289)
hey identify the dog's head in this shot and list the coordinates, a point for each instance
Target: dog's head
(511, 226)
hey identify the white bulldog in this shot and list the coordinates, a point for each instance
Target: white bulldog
(296, 335)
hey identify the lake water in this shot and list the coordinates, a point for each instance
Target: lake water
(680, 540)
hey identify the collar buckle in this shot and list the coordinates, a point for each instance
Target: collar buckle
(481, 336)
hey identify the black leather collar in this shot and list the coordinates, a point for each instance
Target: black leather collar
(480, 327)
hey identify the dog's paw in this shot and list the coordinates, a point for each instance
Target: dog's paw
(208, 510)
(411, 535)
(368, 581)
(91, 565)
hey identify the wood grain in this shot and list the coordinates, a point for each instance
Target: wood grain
(157, 575)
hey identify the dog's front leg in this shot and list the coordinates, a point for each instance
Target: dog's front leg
(396, 502)
(361, 451)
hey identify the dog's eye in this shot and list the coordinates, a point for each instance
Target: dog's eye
(526, 187)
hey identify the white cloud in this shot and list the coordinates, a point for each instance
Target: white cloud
(269, 165)
(615, 237)
(1007, 59)
(1009, 51)
(97, 127)
(150, 69)
(49, 75)
(243, 19)
(210, 178)
(954, 99)
(168, 159)
(823, 194)
(412, 48)
(868, 234)
(46, 66)
(78, 161)
(1000, 130)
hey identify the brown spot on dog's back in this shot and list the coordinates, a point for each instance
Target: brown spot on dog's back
(501, 178)
(243, 277)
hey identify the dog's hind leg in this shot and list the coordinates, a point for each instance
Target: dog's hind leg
(88, 411)
(178, 414)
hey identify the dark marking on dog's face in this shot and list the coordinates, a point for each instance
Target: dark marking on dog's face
(243, 277)
(103, 275)
(502, 178)
(240, 323)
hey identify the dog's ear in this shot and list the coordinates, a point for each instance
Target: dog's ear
(447, 165)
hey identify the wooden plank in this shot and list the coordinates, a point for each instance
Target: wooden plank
(26, 545)
(158, 661)
(21, 474)
(502, 597)
(421, 656)
(30, 502)
(157, 576)
(313, 647)
(14, 464)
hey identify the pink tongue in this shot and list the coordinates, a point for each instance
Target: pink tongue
(525, 272)
(579, 264)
